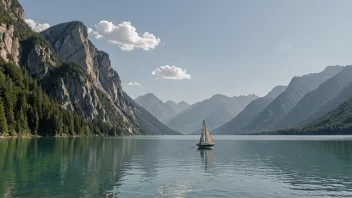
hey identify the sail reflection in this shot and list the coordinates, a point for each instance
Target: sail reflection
(206, 155)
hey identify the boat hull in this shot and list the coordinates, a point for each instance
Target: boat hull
(205, 146)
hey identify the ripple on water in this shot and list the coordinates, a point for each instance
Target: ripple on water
(168, 167)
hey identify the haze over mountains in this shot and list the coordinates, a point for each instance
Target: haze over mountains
(178, 107)
(158, 108)
(216, 111)
(308, 107)
(295, 91)
(251, 111)
(336, 122)
(306, 99)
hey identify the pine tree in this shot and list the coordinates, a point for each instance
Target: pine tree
(71, 128)
(3, 121)
(9, 99)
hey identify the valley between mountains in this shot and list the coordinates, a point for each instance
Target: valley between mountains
(316, 103)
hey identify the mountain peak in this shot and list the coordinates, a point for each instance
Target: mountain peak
(148, 96)
(63, 29)
(183, 103)
(170, 102)
(219, 96)
(156, 106)
(276, 91)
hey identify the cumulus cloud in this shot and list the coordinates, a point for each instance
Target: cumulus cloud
(37, 27)
(134, 84)
(124, 35)
(171, 72)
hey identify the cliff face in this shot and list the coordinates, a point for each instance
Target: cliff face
(72, 71)
(14, 8)
(9, 45)
(95, 89)
(70, 41)
(38, 57)
(11, 15)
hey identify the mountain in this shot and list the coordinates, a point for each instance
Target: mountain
(336, 122)
(72, 71)
(308, 107)
(281, 105)
(155, 106)
(251, 111)
(216, 111)
(344, 95)
(178, 107)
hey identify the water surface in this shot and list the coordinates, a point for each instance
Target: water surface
(168, 166)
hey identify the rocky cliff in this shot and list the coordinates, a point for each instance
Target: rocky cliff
(72, 71)
(11, 12)
(14, 9)
(9, 45)
(94, 90)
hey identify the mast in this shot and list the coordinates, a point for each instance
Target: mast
(204, 131)
(202, 136)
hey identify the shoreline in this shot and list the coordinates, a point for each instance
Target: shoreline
(67, 136)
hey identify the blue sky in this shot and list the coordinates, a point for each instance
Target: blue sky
(229, 47)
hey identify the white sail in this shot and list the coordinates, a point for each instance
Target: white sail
(205, 137)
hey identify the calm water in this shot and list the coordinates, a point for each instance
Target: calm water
(239, 166)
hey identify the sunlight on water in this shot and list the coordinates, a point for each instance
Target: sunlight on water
(168, 166)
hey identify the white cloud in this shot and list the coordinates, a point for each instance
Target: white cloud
(37, 27)
(282, 48)
(134, 84)
(171, 72)
(124, 35)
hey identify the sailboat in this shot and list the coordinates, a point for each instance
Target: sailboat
(205, 141)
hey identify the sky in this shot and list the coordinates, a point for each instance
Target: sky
(190, 50)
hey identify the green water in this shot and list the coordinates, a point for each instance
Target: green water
(167, 166)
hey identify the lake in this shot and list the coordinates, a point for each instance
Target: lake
(168, 166)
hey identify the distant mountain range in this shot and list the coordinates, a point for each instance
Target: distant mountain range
(336, 122)
(282, 105)
(252, 110)
(178, 107)
(162, 111)
(216, 111)
(305, 104)
(308, 109)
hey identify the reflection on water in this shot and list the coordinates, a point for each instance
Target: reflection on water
(76, 167)
(170, 167)
(206, 155)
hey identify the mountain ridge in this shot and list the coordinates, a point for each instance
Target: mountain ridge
(252, 110)
(214, 109)
(313, 100)
(296, 90)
